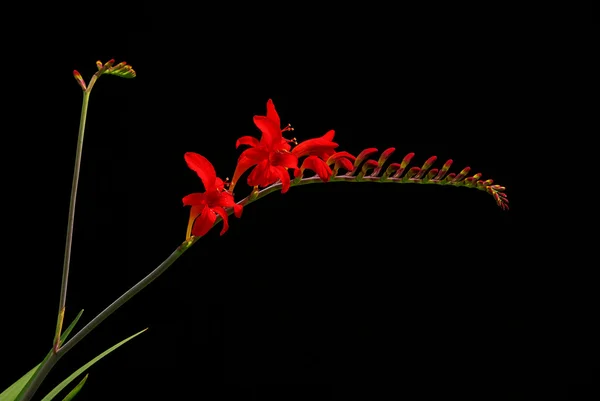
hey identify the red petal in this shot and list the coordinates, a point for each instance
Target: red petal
(271, 133)
(285, 145)
(247, 140)
(204, 222)
(364, 154)
(224, 216)
(194, 199)
(284, 176)
(237, 210)
(256, 154)
(338, 155)
(272, 114)
(329, 135)
(318, 166)
(219, 184)
(203, 168)
(316, 146)
(259, 175)
(247, 159)
(226, 200)
(194, 212)
(283, 159)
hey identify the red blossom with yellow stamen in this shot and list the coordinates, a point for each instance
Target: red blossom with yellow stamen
(205, 206)
(270, 156)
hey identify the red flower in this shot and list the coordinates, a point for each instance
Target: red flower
(271, 155)
(321, 155)
(205, 206)
(322, 147)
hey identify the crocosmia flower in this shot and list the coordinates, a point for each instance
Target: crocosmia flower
(270, 156)
(320, 155)
(205, 206)
(322, 147)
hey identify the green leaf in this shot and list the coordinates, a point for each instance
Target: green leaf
(11, 393)
(79, 371)
(74, 392)
(66, 333)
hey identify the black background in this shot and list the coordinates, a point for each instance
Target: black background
(329, 292)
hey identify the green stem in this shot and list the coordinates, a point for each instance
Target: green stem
(153, 275)
(347, 178)
(45, 368)
(338, 178)
(54, 356)
(70, 222)
(71, 218)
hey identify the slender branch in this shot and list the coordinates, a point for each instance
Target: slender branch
(45, 368)
(71, 220)
(342, 178)
(57, 351)
(347, 178)
(153, 275)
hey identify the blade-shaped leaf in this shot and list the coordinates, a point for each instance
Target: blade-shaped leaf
(13, 391)
(66, 333)
(79, 371)
(74, 392)
(10, 394)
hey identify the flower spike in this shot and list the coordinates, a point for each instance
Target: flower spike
(272, 156)
(121, 70)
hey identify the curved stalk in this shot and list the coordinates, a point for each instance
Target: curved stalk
(43, 371)
(45, 368)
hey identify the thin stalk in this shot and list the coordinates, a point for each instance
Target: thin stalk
(45, 368)
(50, 361)
(71, 218)
(71, 221)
